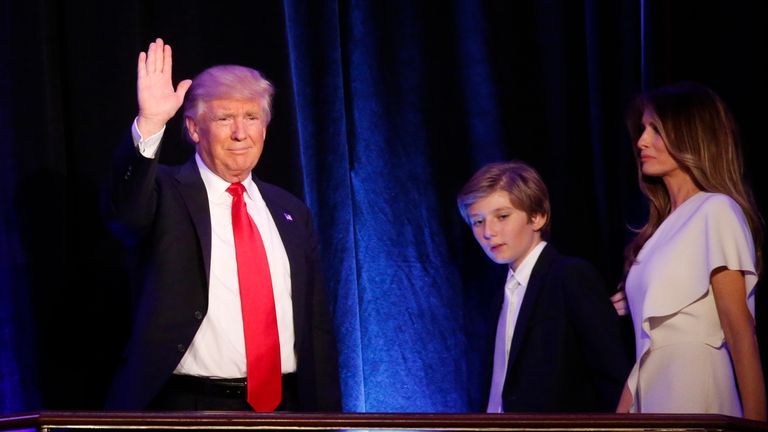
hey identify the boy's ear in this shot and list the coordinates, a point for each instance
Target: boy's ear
(537, 221)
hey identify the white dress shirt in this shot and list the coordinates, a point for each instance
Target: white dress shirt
(218, 348)
(514, 291)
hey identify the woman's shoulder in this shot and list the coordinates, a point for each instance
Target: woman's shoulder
(715, 204)
(718, 200)
(722, 218)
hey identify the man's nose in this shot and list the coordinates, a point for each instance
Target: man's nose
(238, 130)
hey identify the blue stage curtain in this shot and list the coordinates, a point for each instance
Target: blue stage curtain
(397, 103)
(18, 390)
(383, 110)
(360, 96)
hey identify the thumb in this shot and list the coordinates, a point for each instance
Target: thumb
(182, 88)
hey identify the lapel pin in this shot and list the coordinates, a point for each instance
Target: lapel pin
(288, 216)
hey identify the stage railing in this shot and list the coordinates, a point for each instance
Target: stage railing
(49, 421)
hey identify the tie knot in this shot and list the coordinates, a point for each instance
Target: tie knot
(512, 283)
(236, 189)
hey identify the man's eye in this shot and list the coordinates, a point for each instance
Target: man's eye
(503, 216)
(477, 222)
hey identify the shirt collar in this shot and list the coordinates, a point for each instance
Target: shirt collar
(217, 186)
(524, 270)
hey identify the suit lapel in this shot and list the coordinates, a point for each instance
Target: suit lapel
(285, 221)
(195, 197)
(290, 228)
(535, 286)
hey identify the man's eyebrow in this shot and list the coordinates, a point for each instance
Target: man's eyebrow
(220, 112)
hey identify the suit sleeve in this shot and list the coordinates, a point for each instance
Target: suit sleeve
(131, 196)
(598, 329)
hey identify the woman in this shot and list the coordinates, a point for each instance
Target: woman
(692, 268)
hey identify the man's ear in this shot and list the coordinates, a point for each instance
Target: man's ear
(192, 129)
(538, 221)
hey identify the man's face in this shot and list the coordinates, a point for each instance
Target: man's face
(505, 233)
(229, 135)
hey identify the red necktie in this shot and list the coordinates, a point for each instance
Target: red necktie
(262, 344)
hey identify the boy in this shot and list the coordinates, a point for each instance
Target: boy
(558, 346)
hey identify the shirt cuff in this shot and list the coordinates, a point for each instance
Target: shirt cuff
(147, 147)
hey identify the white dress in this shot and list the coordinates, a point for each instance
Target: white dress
(683, 364)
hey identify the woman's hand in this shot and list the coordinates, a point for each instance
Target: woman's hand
(619, 301)
(625, 401)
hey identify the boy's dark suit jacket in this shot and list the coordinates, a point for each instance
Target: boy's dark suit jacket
(167, 209)
(566, 353)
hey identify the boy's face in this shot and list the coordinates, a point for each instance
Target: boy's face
(505, 233)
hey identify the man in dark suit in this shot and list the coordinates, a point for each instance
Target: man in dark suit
(189, 348)
(558, 346)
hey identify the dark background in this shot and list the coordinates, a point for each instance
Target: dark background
(383, 110)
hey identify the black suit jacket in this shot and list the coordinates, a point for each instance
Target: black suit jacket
(164, 212)
(566, 353)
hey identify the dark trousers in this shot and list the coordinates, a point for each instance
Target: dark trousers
(187, 393)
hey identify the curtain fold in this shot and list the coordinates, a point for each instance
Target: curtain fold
(383, 110)
(397, 310)
(317, 75)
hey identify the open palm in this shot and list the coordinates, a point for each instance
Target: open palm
(158, 101)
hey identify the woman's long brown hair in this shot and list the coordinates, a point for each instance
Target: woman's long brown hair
(701, 136)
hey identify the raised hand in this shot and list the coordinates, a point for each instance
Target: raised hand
(158, 101)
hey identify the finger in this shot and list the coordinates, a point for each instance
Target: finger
(182, 88)
(151, 52)
(159, 48)
(167, 65)
(141, 67)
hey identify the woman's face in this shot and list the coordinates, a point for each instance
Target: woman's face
(655, 160)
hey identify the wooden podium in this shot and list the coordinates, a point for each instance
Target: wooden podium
(125, 421)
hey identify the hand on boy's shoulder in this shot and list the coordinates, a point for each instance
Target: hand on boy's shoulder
(619, 301)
